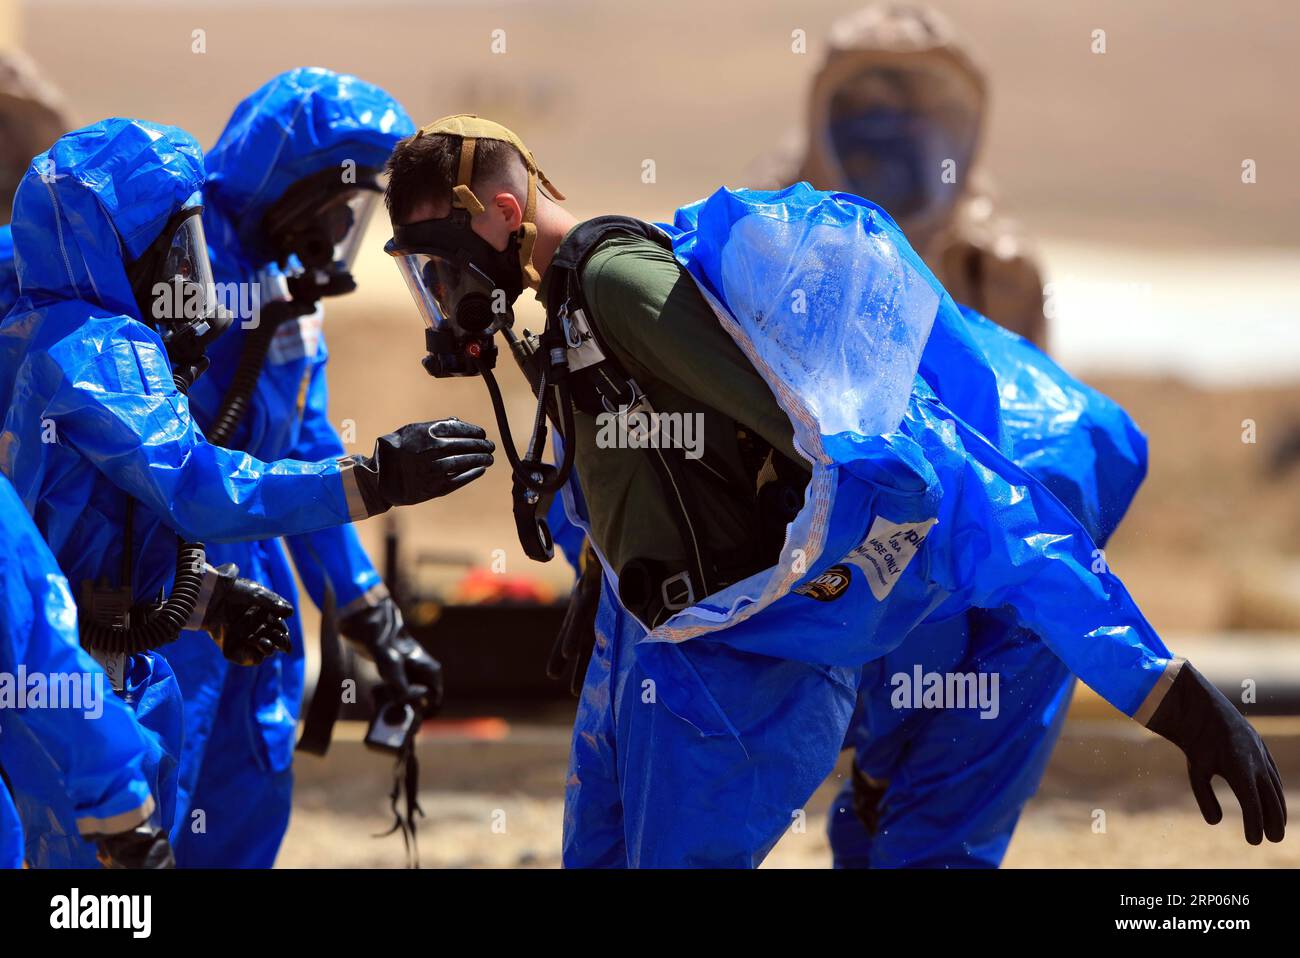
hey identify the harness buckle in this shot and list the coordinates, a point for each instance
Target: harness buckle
(675, 599)
(572, 334)
(623, 409)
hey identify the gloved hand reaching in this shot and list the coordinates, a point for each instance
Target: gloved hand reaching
(142, 847)
(412, 673)
(1217, 740)
(245, 619)
(421, 461)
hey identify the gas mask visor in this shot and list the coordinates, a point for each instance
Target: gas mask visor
(344, 222)
(320, 223)
(904, 137)
(174, 289)
(173, 280)
(450, 272)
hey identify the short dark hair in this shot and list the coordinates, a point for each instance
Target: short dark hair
(423, 169)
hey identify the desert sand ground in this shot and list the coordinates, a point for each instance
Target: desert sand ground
(496, 803)
(1137, 152)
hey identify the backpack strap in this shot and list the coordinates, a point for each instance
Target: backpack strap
(601, 386)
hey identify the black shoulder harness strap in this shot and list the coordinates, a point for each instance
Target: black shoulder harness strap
(600, 385)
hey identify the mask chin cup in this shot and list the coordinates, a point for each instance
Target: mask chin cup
(187, 341)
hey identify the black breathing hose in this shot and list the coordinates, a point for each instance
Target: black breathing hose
(161, 624)
(235, 404)
(522, 470)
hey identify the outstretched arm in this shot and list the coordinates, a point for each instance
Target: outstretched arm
(119, 409)
(1012, 543)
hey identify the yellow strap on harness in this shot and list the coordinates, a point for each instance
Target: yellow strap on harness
(470, 128)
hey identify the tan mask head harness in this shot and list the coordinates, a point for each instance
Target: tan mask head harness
(470, 129)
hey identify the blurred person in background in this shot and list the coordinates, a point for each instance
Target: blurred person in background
(896, 114)
(116, 308)
(291, 183)
(32, 116)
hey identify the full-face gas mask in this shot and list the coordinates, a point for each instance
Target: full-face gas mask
(896, 115)
(464, 289)
(320, 222)
(894, 130)
(173, 286)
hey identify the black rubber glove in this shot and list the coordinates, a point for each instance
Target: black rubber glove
(421, 461)
(576, 639)
(411, 673)
(867, 793)
(1217, 740)
(246, 619)
(142, 847)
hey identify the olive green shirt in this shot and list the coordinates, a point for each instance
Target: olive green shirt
(665, 335)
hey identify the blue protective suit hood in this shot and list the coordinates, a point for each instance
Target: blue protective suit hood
(94, 202)
(297, 124)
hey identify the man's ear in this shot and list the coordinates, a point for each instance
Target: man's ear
(509, 211)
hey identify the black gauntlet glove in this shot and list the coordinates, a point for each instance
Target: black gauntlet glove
(411, 673)
(1217, 740)
(419, 462)
(867, 793)
(246, 619)
(142, 847)
(576, 639)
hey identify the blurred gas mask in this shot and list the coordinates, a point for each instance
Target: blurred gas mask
(174, 289)
(904, 137)
(464, 289)
(320, 222)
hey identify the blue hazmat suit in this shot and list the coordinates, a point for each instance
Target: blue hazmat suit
(92, 416)
(75, 755)
(8, 275)
(240, 722)
(950, 805)
(11, 831)
(698, 743)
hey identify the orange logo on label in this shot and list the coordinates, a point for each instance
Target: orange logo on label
(828, 586)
